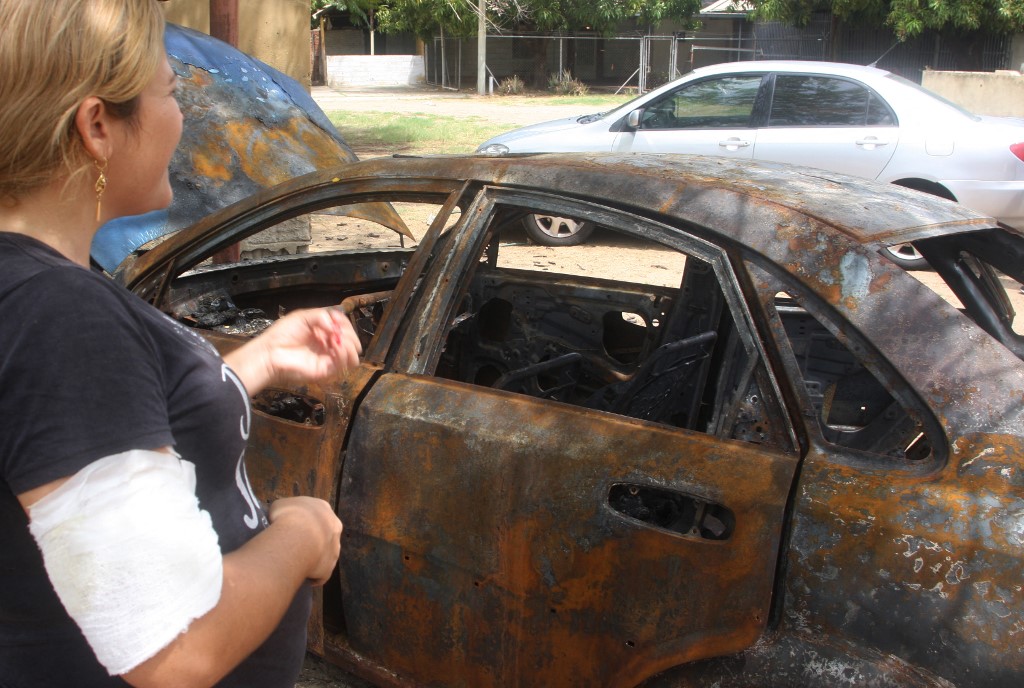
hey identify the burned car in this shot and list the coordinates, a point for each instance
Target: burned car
(748, 449)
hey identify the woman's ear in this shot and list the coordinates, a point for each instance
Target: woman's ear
(93, 123)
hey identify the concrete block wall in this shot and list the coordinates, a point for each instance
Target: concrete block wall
(983, 93)
(374, 70)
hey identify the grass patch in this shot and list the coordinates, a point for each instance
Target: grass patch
(414, 134)
(388, 133)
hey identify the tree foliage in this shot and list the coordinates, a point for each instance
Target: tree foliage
(459, 17)
(907, 18)
(361, 12)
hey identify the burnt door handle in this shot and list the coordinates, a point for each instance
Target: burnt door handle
(673, 511)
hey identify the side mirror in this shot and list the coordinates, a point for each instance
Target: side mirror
(633, 118)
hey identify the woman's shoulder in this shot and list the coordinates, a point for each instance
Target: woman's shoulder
(41, 289)
(27, 262)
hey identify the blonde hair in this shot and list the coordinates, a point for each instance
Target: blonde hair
(52, 57)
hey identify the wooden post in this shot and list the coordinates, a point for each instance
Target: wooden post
(224, 26)
(224, 21)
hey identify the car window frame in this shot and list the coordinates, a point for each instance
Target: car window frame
(769, 103)
(768, 281)
(757, 113)
(418, 350)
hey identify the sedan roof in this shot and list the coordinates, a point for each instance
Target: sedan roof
(839, 68)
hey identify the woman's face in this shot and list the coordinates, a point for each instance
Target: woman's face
(137, 178)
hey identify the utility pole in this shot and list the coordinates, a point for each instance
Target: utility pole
(481, 47)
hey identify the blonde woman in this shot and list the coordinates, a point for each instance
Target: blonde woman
(131, 547)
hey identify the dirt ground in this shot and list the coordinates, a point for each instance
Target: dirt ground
(656, 266)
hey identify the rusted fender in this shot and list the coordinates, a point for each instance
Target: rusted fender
(247, 127)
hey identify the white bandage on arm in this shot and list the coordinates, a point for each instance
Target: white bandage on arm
(131, 555)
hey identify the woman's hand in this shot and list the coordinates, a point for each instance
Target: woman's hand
(303, 346)
(323, 532)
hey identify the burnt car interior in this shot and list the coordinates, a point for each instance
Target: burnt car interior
(636, 351)
(659, 348)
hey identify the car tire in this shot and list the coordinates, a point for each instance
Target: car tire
(907, 257)
(551, 230)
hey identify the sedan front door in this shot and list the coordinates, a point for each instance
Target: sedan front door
(713, 116)
(564, 476)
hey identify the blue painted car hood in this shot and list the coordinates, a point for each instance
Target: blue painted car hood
(247, 127)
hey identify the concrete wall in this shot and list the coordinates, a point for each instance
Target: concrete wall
(274, 31)
(983, 93)
(374, 70)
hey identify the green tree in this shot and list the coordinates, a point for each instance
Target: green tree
(459, 17)
(907, 18)
(362, 13)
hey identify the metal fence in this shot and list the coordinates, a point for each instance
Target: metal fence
(641, 63)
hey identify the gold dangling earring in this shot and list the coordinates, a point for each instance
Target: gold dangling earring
(101, 184)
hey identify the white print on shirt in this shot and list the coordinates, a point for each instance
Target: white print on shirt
(252, 519)
(242, 481)
(228, 374)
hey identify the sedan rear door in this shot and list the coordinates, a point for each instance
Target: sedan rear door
(829, 122)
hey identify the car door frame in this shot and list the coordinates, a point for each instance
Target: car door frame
(439, 586)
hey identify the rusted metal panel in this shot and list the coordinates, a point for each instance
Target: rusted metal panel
(479, 552)
(925, 568)
(920, 563)
(739, 200)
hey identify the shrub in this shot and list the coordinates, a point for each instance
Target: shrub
(564, 84)
(511, 86)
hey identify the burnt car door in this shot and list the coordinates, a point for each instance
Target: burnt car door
(567, 474)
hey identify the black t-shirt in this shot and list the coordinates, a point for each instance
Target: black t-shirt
(87, 370)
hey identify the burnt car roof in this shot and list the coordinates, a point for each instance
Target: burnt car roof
(739, 200)
(823, 228)
(894, 215)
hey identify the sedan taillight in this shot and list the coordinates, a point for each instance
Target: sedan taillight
(1018, 150)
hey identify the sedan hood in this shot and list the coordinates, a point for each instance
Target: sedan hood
(541, 128)
(247, 127)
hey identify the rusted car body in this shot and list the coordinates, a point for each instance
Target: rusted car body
(789, 463)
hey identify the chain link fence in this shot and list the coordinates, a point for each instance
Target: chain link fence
(641, 63)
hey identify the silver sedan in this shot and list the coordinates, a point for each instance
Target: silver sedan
(851, 119)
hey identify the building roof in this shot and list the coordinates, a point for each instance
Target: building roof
(728, 7)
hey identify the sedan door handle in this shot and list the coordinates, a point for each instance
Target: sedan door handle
(871, 142)
(734, 143)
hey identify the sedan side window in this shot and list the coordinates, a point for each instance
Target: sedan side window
(623, 325)
(725, 103)
(818, 101)
(843, 392)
